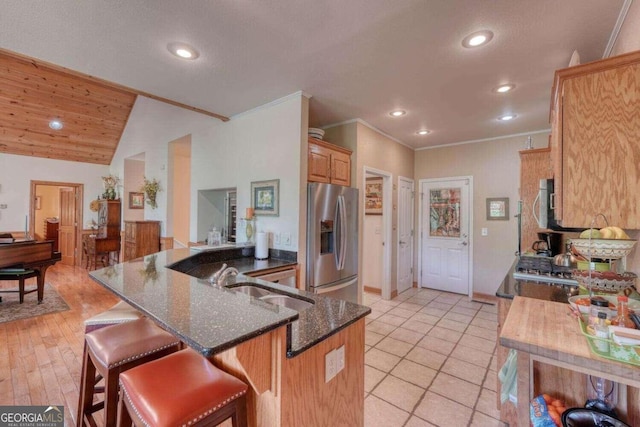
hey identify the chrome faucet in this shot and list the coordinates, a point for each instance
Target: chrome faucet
(220, 277)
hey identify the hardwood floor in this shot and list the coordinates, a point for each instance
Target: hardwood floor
(41, 357)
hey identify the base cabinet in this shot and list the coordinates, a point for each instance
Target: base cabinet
(545, 369)
(141, 238)
(292, 392)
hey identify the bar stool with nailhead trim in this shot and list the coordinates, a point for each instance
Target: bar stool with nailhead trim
(182, 389)
(111, 351)
(119, 313)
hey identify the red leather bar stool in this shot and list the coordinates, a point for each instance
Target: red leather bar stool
(112, 350)
(182, 389)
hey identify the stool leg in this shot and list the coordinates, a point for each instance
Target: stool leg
(87, 383)
(111, 395)
(124, 418)
(21, 289)
(239, 418)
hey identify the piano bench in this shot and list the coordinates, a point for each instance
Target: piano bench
(20, 275)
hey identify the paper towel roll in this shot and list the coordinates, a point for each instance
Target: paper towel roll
(262, 245)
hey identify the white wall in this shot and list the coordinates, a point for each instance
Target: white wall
(17, 172)
(151, 126)
(258, 145)
(261, 144)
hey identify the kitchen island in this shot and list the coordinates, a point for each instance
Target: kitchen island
(279, 352)
(553, 355)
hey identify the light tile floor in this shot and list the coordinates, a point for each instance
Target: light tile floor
(430, 361)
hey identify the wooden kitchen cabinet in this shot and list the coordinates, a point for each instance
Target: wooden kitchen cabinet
(594, 144)
(534, 166)
(328, 163)
(141, 238)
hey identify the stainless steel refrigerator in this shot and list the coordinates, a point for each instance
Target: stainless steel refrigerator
(332, 241)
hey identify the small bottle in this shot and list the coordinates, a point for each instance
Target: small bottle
(622, 318)
(597, 305)
(602, 331)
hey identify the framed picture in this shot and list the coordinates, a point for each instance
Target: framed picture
(265, 197)
(136, 200)
(498, 208)
(373, 197)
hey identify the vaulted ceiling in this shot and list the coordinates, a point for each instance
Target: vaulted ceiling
(92, 111)
(358, 59)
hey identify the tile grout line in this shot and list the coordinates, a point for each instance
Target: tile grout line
(439, 370)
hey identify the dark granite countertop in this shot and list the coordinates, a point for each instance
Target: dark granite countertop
(211, 319)
(511, 287)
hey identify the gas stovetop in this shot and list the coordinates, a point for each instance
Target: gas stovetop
(561, 278)
(543, 270)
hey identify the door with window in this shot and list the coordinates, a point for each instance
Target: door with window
(445, 224)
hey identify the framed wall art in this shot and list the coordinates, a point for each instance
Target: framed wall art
(265, 197)
(498, 208)
(136, 200)
(373, 197)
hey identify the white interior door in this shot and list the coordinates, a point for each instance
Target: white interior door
(405, 233)
(445, 235)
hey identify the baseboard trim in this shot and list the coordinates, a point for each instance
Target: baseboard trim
(376, 291)
(484, 298)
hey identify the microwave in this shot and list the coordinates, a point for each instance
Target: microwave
(544, 206)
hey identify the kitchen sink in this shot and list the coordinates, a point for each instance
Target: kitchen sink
(270, 297)
(287, 301)
(254, 291)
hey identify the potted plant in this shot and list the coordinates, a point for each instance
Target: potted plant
(110, 182)
(150, 189)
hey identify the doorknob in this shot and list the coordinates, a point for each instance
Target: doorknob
(401, 242)
(464, 243)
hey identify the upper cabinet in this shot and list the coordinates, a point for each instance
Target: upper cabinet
(328, 163)
(595, 143)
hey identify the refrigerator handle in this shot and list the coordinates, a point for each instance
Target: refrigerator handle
(337, 235)
(343, 232)
(326, 290)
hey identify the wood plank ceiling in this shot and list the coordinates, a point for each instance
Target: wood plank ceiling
(33, 93)
(94, 111)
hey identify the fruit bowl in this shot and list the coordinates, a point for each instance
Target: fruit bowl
(603, 248)
(604, 281)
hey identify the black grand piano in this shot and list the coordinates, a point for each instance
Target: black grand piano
(22, 256)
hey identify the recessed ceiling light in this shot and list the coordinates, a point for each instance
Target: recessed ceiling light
(423, 132)
(478, 38)
(397, 113)
(56, 124)
(507, 117)
(505, 88)
(183, 50)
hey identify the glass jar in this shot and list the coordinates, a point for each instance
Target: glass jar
(622, 318)
(602, 331)
(597, 305)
